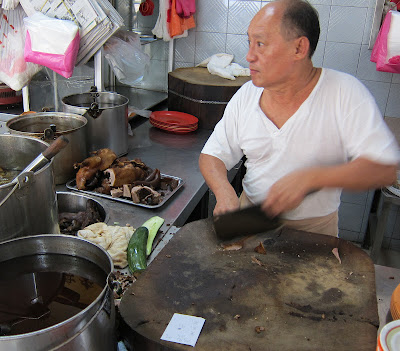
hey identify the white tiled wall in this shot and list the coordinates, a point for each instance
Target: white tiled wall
(221, 26)
(345, 32)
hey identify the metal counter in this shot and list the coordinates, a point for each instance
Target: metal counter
(175, 155)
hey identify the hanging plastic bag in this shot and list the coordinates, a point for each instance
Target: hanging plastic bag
(14, 71)
(9, 4)
(124, 54)
(386, 51)
(52, 42)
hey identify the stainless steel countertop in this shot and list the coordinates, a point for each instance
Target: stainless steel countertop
(175, 155)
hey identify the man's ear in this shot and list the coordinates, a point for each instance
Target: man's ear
(302, 47)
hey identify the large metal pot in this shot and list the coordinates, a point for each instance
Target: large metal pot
(93, 327)
(31, 207)
(107, 115)
(48, 126)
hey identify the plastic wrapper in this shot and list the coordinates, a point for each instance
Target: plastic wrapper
(124, 54)
(386, 51)
(52, 42)
(14, 70)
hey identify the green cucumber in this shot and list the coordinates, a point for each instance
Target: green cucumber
(136, 253)
(153, 225)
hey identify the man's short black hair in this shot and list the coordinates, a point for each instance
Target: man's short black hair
(301, 19)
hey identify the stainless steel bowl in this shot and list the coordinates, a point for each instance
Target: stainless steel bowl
(70, 202)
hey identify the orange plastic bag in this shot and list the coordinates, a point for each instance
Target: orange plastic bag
(177, 24)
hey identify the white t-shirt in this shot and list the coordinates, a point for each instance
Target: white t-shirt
(338, 122)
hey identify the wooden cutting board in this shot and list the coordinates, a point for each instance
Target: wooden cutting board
(195, 91)
(296, 297)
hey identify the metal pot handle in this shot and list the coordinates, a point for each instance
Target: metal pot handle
(113, 283)
(20, 181)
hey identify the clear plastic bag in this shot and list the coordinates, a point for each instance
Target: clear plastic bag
(124, 54)
(14, 71)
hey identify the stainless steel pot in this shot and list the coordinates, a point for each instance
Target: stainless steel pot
(31, 207)
(107, 115)
(48, 126)
(93, 328)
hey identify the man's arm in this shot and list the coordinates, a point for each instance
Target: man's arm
(215, 175)
(360, 174)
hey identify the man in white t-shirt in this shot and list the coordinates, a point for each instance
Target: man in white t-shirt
(306, 132)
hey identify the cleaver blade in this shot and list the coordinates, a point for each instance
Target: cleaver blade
(247, 221)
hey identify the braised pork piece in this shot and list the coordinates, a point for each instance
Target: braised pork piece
(105, 173)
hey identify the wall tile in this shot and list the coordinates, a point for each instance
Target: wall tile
(395, 78)
(386, 243)
(380, 91)
(346, 24)
(238, 46)
(354, 197)
(395, 244)
(323, 12)
(356, 3)
(393, 105)
(157, 50)
(396, 228)
(368, 25)
(208, 44)
(240, 14)
(212, 15)
(348, 235)
(342, 57)
(367, 69)
(183, 64)
(185, 48)
(318, 57)
(320, 2)
(350, 216)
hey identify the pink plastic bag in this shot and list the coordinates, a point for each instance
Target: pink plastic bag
(52, 42)
(62, 64)
(379, 53)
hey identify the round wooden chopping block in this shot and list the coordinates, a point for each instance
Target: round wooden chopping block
(196, 91)
(294, 297)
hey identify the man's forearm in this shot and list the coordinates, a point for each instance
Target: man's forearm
(215, 175)
(360, 174)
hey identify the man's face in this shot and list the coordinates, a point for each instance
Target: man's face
(270, 55)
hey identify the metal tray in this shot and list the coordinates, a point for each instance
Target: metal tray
(72, 185)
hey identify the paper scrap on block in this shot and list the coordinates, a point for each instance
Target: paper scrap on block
(183, 329)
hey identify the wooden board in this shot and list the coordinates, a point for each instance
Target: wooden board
(298, 292)
(195, 91)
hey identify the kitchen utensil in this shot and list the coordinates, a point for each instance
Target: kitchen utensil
(92, 324)
(246, 221)
(47, 126)
(107, 119)
(60, 143)
(32, 208)
(174, 118)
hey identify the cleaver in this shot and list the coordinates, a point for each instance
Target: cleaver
(246, 221)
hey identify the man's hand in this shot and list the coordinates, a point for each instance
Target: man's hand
(215, 175)
(358, 175)
(288, 192)
(226, 204)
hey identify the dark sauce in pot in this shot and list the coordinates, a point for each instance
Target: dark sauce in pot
(6, 176)
(39, 291)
